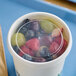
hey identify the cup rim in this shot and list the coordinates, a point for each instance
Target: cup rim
(13, 53)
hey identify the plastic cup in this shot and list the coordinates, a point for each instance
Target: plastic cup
(52, 68)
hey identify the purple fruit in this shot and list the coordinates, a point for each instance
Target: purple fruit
(34, 25)
(45, 40)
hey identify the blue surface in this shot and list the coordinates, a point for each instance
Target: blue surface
(10, 10)
(73, 1)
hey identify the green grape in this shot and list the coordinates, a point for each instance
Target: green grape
(47, 26)
(20, 39)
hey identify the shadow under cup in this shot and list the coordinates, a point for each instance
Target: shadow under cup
(28, 68)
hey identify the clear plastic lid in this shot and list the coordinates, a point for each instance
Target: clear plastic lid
(40, 38)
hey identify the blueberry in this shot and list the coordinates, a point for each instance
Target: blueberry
(26, 20)
(27, 57)
(23, 30)
(44, 52)
(30, 34)
(23, 24)
(28, 25)
(16, 49)
(49, 58)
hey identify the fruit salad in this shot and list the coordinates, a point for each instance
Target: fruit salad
(39, 40)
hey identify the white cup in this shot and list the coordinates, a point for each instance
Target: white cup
(27, 68)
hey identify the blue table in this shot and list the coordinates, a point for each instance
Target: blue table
(72, 1)
(10, 10)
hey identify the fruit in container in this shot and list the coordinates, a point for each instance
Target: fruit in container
(57, 32)
(47, 26)
(54, 47)
(39, 40)
(30, 34)
(44, 52)
(33, 44)
(18, 39)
